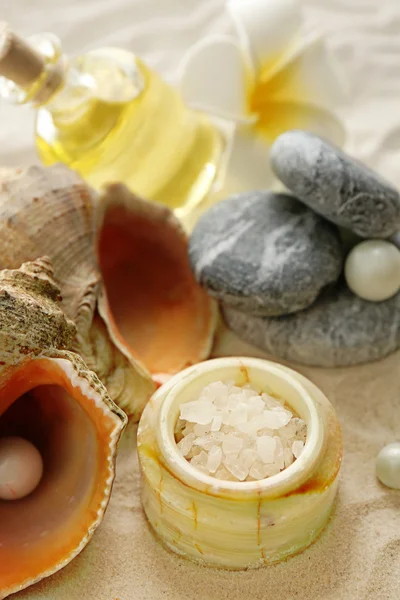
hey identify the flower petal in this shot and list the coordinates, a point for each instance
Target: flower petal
(309, 74)
(246, 167)
(266, 28)
(214, 76)
(283, 116)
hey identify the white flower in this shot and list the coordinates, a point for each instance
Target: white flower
(271, 77)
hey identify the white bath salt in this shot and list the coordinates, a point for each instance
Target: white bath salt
(256, 406)
(218, 436)
(297, 448)
(287, 457)
(275, 419)
(205, 441)
(195, 451)
(214, 459)
(238, 415)
(248, 456)
(266, 447)
(186, 443)
(199, 411)
(224, 474)
(201, 430)
(271, 402)
(270, 470)
(189, 428)
(249, 390)
(279, 458)
(232, 444)
(236, 468)
(256, 470)
(216, 423)
(239, 433)
(301, 429)
(200, 460)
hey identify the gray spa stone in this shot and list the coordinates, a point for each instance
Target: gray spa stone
(265, 253)
(336, 186)
(340, 329)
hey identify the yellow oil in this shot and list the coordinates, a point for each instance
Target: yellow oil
(159, 148)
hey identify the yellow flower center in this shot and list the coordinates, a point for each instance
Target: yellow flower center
(275, 96)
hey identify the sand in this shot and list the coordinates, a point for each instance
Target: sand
(358, 556)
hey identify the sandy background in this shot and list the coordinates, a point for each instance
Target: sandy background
(358, 557)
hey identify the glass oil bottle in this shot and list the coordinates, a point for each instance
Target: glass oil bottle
(110, 118)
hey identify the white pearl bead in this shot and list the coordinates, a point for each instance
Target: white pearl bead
(372, 270)
(21, 468)
(388, 465)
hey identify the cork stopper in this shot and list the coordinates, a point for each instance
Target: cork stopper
(18, 60)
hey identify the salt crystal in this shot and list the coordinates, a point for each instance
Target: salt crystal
(301, 428)
(216, 423)
(266, 447)
(259, 422)
(234, 401)
(180, 425)
(188, 429)
(223, 473)
(288, 432)
(279, 459)
(270, 470)
(225, 417)
(205, 442)
(200, 460)
(287, 457)
(266, 431)
(186, 443)
(256, 406)
(234, 389)
(232, 444)
(270, 401)
(214, 459)
(239, 415)
(257, 470)
(215, 391)
(297, 448)
(236, 469)
(247, 457)
(217, 436)
(249, 392)
(201, 430)
(195, 451)
(276, 419)
(198, 411)
(249, 428)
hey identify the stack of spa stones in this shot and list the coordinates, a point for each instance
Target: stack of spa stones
(312, 277)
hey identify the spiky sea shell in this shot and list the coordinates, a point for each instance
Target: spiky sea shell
(147, 309)
(50, 397)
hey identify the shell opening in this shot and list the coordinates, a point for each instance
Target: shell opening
(160, 311)
(43, 531)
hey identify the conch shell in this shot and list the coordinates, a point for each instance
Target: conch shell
(122, 267)
(48, 396)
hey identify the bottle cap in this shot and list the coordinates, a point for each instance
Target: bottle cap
(18, 60)
(24, 65)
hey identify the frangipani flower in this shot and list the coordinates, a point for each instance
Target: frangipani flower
(270, 77)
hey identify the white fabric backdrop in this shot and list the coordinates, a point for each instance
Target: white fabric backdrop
(365, 35)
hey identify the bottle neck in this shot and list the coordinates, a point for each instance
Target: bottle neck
(49, 85)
